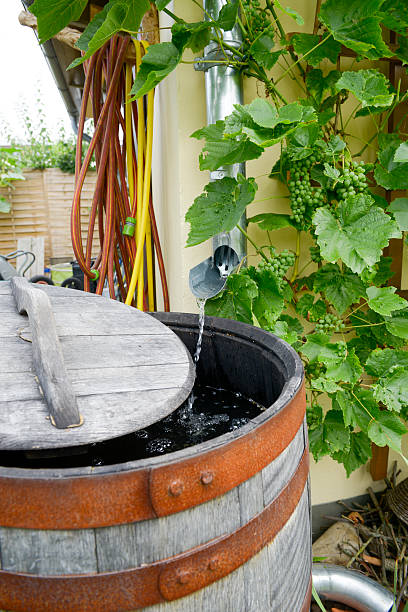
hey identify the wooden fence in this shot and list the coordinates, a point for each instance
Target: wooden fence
(41, 206)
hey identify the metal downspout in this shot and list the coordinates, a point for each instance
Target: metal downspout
(223, 87)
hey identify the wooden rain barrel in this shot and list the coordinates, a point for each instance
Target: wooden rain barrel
(223, 526)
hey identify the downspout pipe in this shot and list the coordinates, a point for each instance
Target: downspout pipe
(223, 89)
(336, 583)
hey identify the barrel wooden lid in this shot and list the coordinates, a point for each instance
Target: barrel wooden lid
(125, 369)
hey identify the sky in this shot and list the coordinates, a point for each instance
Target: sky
(24, 76)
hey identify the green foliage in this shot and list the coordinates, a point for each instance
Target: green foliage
(53, 16)
(116, 16)
(316, 48)
(389, 173)
(10, 171)
(220, 208)
(356, 25)
(370, 87)
(357, 236)
(399, 210)
(158, 62)
(347, 322)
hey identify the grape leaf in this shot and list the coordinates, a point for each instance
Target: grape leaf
(384, 301)
(357, 407)
(194, 36)
(341, 287)
(358, 453)
(161, 4)
(235, 302)
(281, 329)
(219, 208)
(394, 15)
(317, 444)
(383, 271)
(325, 385)
(356, 25)
(362, 346)
(93, 26)
(399, 209)
(358, 236)
(53, 17)
(271, 221)
(265, 114)
(221, 150)
(304, 44)
(261, 50)
(304, 304)
(370, 87)
(402, 51)
(267, 305)
(386, 430)
(314, 416)
(331, 172)
(388, 173)
(397, 324)
(369, 110)
(318, 348)
(228, 15)
(119, 16)
(392, 388)
(300, 142)
(157, 63)
(317, 311)
(381, 361)
(290, 12)
(401, 154)
(227, 152)
(336, 434)
(335, 145)
(348, 370)
(363, 322)
(270, 126)
(293, 324)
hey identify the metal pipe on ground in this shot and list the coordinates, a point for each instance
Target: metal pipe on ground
(336, 583)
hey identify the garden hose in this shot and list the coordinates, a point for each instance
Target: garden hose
(140, 168)
(145, 199)
(121, 216)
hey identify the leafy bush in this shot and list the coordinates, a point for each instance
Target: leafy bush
(10, 171)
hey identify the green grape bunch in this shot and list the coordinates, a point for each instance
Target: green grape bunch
(304, 198)
(353, 180)
(256, 16)
(279, 264)
(329, 324)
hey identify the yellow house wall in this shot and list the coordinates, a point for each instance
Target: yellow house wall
(180, 110)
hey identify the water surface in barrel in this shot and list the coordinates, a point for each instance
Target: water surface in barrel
(214, 412)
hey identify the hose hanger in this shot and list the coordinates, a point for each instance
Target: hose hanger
(121, 242)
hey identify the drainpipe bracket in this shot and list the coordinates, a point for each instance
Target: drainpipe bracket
(215, 57)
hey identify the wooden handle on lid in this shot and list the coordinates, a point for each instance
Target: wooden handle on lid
(48, 359)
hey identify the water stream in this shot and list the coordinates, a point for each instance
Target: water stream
(201, 321)
(188, 410)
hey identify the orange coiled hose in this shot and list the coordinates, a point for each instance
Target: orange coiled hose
(105, 87)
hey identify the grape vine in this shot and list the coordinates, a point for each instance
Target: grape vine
(328, 292)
